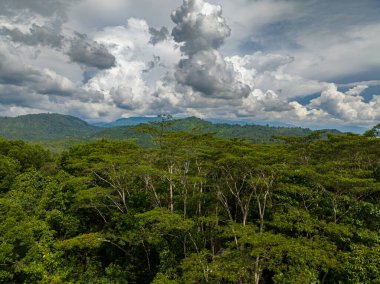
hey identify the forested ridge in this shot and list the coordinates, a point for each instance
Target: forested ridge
(253, 133)
(58, 132)
(194, 208)
(44, 126)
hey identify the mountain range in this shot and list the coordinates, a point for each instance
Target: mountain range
(144, 119)
(57, 131)
(130, 121)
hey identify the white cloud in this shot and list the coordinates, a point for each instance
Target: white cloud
(201, 30)
(266, 71)
(129, 84)
(274, 52)
(349, 106)
(199, 26)
(356, 90)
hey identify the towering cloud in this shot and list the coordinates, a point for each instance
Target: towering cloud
(201, 30)
(200, 26)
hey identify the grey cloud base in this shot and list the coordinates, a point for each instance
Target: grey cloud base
(37, 36)
(201, 30)
(90, 53)
(158, 35)
(207, 72)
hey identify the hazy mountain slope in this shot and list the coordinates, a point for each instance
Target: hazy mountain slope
(130, 121)
(254, 133)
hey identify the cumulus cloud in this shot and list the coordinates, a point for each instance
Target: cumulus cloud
(27, 21)
(42, 24)
(158, 35)
(266, 71)
(268, 101)
(207, 72)
(126, 67)
(201, 30)
(206, 82)
(129, 85)
(200, 26)
(90, 58)
(349, 106)
(123, 97)
(16, 95)
(42, 35)
(33, 23)
(90, 53)
(45, 81)
(27, 89)
(356, 90)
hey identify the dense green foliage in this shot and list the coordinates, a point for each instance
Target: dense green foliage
(194, 209)
(374, 132)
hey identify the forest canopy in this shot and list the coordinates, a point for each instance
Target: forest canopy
(193, 209)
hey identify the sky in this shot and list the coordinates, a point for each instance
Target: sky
(311, 63)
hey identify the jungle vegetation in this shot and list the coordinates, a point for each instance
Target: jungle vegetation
(194, 208)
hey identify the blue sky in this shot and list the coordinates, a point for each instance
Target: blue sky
(309, 63)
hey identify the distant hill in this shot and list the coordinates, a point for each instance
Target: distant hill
(57, 132)
(38, 127)
(249, 122)
(254, 133)
(130, 121)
